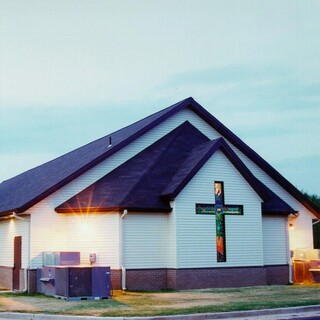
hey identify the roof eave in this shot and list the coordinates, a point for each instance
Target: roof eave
(102, 157)
(278, 212)
(212, 121)
(113, 209)
(256, 158)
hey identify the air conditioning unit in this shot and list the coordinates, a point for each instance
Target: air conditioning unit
(76, 282)
(61, 258)
(306, 254)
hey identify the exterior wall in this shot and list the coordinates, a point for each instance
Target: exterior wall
(116, 279)
(145, 239)
(277, 275)
(9, 229)
(32, 280)
(87, 233)
(219, 277)
(187, 247)
(6, 278)
(196, 234)
(200, 278)
(275, 246)
(146, 279)
(58, 232)
(301, 236)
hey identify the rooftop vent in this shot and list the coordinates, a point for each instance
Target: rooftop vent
(110, 142)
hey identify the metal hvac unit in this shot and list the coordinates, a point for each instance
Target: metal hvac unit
(63, 276)
(61, 258)
(76, 282)
(73, 282)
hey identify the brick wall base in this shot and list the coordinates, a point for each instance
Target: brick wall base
(22, 280)
(183, 279)
(116, 279)
(32, 280)
(201, 278)
(6, 279)
(146, 279)
(277, 275)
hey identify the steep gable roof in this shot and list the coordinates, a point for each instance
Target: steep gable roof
(138, 183)
(23, 191)
(149, 180)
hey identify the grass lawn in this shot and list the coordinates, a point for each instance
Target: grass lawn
(166, 303)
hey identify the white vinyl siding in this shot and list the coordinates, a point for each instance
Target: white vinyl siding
(145, 240)
(301, 236)
(275, 249)
(9, 229)
(83, 232)
(196, 234)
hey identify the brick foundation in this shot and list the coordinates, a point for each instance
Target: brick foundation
(146, 279)
(6, 277)
(32, 280)
(116, 278)
(220, 278)
(277, 274)
(201, 278)
(22, 280)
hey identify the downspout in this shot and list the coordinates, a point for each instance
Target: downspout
(15, 216)
(123, 269)
(289, 260)
(291, 217)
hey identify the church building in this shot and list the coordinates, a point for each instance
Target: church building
(173, 201)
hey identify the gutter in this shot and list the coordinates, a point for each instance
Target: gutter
(316, 222)
(15, 216)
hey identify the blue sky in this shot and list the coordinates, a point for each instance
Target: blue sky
(73, 71)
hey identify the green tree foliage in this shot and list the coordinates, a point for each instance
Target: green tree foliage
(315, 199)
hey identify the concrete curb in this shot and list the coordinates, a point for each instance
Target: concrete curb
(199, 316)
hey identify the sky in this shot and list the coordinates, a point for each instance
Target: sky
(74, 71)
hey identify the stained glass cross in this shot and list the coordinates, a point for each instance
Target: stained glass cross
(219, 209)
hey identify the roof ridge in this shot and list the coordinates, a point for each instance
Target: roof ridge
(101, 138)
(80, 163)
(58, 174)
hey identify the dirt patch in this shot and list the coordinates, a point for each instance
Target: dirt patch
(164, 303)
(190, 299)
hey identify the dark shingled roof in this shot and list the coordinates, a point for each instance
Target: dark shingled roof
(138, 183)
(149, 180)
(23, 191)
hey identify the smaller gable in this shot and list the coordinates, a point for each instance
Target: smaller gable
(150, 180)
(138, 183)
